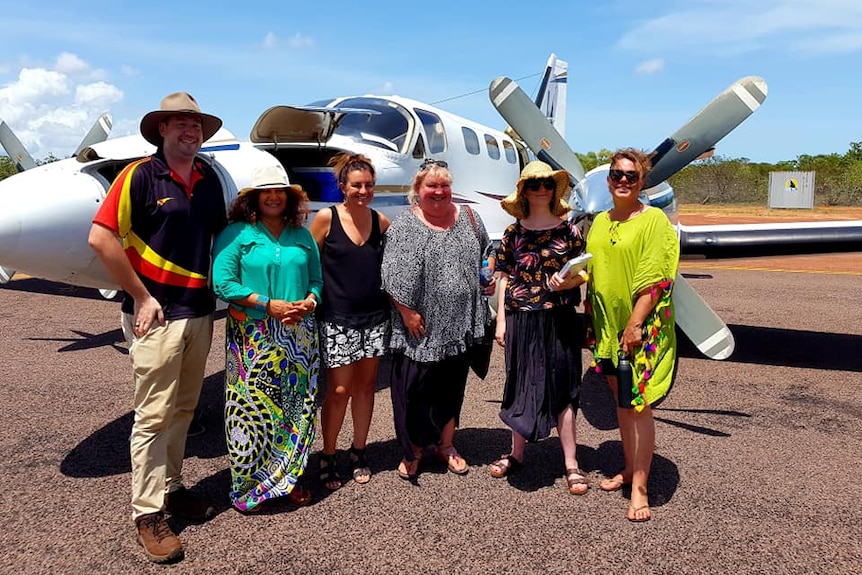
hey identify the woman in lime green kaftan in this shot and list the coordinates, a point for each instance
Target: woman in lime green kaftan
(635, 256)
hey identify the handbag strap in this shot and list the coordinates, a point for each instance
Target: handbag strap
(473, 223)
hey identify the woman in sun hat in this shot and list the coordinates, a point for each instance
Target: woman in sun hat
(537, 324)
(267, 267)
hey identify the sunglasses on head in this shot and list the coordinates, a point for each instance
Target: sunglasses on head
(617, 175)
(429, 163)
(534, 185)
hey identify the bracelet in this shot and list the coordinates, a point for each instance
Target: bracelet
(313, 303)
(261, 302)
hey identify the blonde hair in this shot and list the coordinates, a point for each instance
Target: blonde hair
(426, 170)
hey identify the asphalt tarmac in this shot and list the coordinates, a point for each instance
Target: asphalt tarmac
(754, 472)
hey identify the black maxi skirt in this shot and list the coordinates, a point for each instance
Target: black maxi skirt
(543, 369)
(425, 397)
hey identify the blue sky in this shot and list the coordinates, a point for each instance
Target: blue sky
(637, 70)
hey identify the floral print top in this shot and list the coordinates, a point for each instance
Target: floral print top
(530, 258)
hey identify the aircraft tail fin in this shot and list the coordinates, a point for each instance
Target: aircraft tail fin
(15, 149)
(551, 99)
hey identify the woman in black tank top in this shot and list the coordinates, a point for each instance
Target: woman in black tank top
(354, 312)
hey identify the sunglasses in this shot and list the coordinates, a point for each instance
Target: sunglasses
(617, 175)
(430, 163)
(534, 185)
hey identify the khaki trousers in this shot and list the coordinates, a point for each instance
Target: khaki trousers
(168, 365)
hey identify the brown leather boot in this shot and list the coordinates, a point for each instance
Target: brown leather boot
(158, 540)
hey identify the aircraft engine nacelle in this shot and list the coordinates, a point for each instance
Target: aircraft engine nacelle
(44, 224)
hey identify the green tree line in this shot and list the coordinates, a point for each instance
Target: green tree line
(720, 180)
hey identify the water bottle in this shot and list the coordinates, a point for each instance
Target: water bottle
(485, 274)
(625, 380)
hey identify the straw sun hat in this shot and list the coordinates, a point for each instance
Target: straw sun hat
(515, 203)
(269, 177)
(177, 103)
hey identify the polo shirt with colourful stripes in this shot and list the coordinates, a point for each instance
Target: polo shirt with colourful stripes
(167, 229)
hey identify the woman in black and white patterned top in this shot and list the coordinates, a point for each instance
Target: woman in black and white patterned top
(430, 270)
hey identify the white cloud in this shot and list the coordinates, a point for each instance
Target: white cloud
(650, 66)
(71, 65)
(50, 110)
(743, 26)
(129, 70)
(97, 95)
(301, 41)
(386, 89)
(270, 41)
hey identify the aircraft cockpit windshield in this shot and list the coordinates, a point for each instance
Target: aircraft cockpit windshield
(390, 129)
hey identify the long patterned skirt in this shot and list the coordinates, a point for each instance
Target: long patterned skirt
(271, 373)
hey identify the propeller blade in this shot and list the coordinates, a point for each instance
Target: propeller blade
(15, 149)
(98, 133)
(534, 128)
(703, 327)
(715, 121)
(6, 275)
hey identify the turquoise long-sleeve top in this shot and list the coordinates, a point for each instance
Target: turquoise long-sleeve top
(247, 259)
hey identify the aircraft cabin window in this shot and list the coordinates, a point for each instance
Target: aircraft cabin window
(419, 148)
(471, 141)
(388, 129)
(493, 147)
(509, 149)
(433, 130)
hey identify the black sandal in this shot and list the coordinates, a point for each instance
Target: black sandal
(361, 469)
(328, 474)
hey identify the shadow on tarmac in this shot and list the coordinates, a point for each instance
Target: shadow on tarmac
(787, 347)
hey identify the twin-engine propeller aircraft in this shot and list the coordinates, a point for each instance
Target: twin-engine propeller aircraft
(695, 139)
(47, 210)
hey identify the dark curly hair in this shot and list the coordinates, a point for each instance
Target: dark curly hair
(245, 207)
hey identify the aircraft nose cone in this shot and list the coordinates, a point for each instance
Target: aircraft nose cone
(45, 218)
(10, 223)
(592, 192)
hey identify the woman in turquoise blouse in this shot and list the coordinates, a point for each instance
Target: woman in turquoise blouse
(267, 266)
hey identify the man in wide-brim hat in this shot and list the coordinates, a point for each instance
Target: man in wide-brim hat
(177, 104)
(166, 208)
(533, 175)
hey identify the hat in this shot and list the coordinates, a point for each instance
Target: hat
(536, 170)
(177, 103)
(269, 177)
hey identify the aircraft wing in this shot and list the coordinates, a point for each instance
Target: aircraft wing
(770, 239)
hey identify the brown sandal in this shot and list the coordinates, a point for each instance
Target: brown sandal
(504, 466)
(574, 479)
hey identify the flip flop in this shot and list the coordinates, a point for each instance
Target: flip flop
(610, 485)
(634, 511)
(451, 458)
